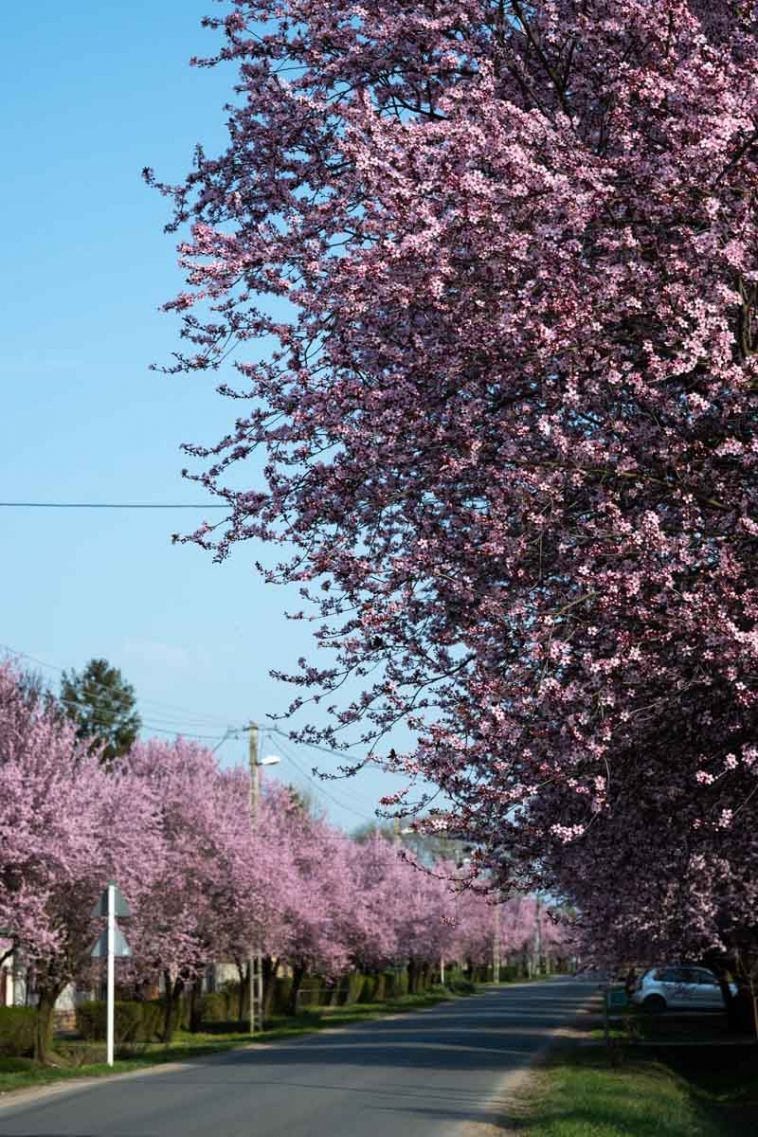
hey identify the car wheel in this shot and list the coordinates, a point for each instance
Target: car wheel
(654, 1004)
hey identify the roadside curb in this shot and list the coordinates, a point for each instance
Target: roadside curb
(567, 1036)
(27, 1094)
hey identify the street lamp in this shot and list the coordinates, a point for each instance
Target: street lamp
(256, 765)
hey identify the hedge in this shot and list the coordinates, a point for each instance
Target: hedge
(143, 1021)
(134, 1022)
(219, 1007)
(17, 1031)
(459, 985)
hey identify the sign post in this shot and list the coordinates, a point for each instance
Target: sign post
(111, 944)
(111, 997)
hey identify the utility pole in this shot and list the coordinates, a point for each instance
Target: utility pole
(255, 965)
(538, 937)
(496, 946)
(255, 783)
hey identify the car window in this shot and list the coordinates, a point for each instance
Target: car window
(675, 975)
(690, 975)
(706, 977)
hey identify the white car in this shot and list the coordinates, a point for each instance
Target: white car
(680, 987)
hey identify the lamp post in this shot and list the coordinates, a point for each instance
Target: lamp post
(255, 965)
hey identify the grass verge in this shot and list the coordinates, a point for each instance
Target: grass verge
(73, 1059)
(584, 1092)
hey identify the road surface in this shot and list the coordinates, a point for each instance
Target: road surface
(426, 1074)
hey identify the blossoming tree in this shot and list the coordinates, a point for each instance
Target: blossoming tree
(66, 827)
(487, 271)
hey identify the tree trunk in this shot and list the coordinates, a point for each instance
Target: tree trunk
(43, 1025)
(173, 991)
(298, 974)
(740, 1010)
(196, 1006)
(270, 967)
(412, 977)
(726, 994)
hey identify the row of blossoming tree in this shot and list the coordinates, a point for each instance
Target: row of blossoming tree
(174, 830)
(487, 273)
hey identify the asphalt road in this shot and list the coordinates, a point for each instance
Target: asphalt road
(428, 1074)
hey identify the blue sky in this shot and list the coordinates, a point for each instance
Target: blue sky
(91, 94)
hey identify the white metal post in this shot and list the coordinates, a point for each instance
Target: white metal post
(255, 790)
(111, 994)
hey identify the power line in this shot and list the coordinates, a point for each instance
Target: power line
(187, 734)
(149, 722)
(331, 750)
(314, 746)
(103, 687)
(107, 505)
(228, 734)
(320, 789)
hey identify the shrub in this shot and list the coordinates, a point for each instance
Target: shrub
(311, 993)
(281, 996)
(217, 1007)
(134, 1022)
(17, 1031)
(460, 986)
(397, 984)
(352, 986)
(510, 973)
(367, 990)
(152, 1021)
(91, 1020)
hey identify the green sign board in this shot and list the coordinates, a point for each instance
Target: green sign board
(617, 998)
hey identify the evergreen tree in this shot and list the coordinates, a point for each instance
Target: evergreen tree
(103, 706)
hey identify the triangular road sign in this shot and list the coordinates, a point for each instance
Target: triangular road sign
(121, 949)
(120, 904)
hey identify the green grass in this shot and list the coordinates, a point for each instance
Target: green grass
(72, 1059)
(726, 1077)
(87, 1060)
(582, 1093)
